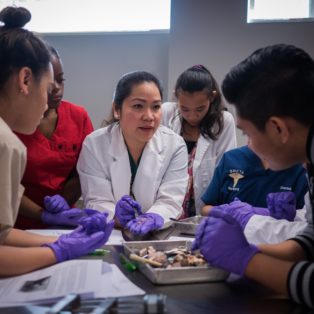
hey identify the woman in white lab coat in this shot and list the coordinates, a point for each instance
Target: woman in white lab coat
(207, 128)
(135, 169)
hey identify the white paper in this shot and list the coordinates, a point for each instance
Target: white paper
(75, 276)
(115, 284)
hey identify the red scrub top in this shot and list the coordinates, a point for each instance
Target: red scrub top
(50, 161)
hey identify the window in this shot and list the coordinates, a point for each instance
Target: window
(93, 16)
(279, 10)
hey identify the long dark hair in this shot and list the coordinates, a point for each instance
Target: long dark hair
(196, 79)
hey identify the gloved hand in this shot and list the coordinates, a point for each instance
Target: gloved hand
(145, 223)
(282, 205)
(125, 210)
(55, 204)
(93, 222)
(241, 211)
(68, 217)
(79, 242)
(222, 242)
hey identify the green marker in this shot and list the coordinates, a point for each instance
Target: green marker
(127, 263)
(99, 252)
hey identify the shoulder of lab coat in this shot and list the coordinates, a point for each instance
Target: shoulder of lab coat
(171, 117)
(100, 149)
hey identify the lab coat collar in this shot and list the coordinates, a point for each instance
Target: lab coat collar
(117, 145)
(202, 147)
(147, 172)
(120, 168)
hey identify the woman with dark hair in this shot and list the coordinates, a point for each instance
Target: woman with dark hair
(51, 181)
(26, 78)
(206, 127)
(133, 168)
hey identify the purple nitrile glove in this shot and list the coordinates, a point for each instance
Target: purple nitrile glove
(126, 208)
(282, 205)
(93, 222)
(68, 217)
(222, 242)
(79, 242)
(55, 204)
(145, 223)
(241, 211)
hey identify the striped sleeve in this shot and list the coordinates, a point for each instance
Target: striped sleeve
(301, 276)
(306, 240)
(301, 283)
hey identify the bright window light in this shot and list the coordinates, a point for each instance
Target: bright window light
(93, 16)
(278, 10)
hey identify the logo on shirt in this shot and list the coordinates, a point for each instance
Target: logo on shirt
(287, 188)
(236, 175)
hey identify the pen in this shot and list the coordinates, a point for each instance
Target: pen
(99, 252)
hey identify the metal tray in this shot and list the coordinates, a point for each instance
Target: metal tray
(185, 227)
(175, 275)
(188, 226)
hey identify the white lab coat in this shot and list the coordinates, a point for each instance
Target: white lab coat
(160, 182)
(266, 229)
(208, 151)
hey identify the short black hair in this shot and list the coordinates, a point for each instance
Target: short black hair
(276, 80)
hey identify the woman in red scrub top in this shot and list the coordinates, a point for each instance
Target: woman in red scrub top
(52, 153)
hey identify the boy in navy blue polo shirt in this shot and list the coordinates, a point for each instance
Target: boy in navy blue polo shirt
(241, 173)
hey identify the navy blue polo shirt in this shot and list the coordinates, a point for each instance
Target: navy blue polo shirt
(241, 174)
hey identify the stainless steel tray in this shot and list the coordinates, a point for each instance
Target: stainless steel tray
(175, 275)
(185, 227)
(188, 226)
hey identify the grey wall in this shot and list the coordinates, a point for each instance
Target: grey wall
(211, 32)
(94, 63)
(215, 33)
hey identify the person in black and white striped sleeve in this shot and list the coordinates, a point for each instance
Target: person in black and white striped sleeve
(273, 93)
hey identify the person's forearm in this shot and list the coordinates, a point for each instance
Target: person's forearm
(288, 250)
(23, 238)
(17, 261)
(206, 209)
(72, 190)
(30, 209)
(269, 271)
